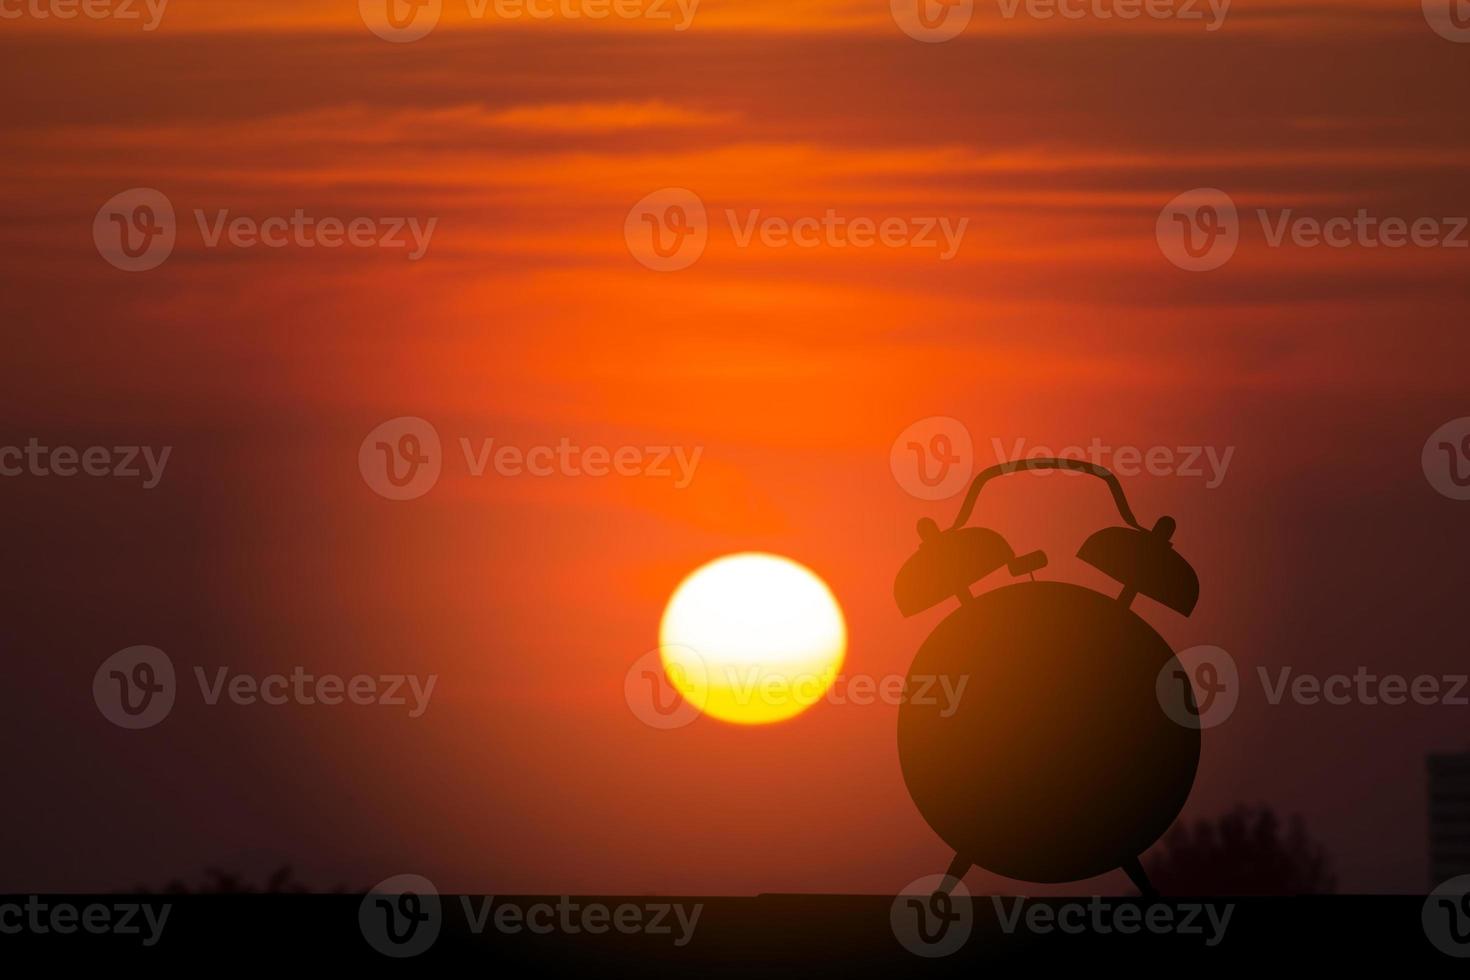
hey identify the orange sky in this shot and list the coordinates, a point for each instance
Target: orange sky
(803, 17)
(1059, 321)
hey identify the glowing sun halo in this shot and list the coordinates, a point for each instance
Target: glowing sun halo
(752, 638)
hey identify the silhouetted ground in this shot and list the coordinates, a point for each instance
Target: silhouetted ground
(811, 935)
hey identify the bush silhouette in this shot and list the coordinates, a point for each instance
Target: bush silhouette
(217, 882)
(1244, 852)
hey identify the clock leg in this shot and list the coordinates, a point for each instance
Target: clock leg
(1134, 869)
(957, 869)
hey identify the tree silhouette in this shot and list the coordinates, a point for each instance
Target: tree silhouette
(282, 882)
(1244, 852)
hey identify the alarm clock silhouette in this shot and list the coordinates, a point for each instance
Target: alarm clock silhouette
(1059, 761)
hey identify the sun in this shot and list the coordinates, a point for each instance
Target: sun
(752, 638)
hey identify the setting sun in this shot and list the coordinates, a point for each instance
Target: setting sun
(752, 638)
